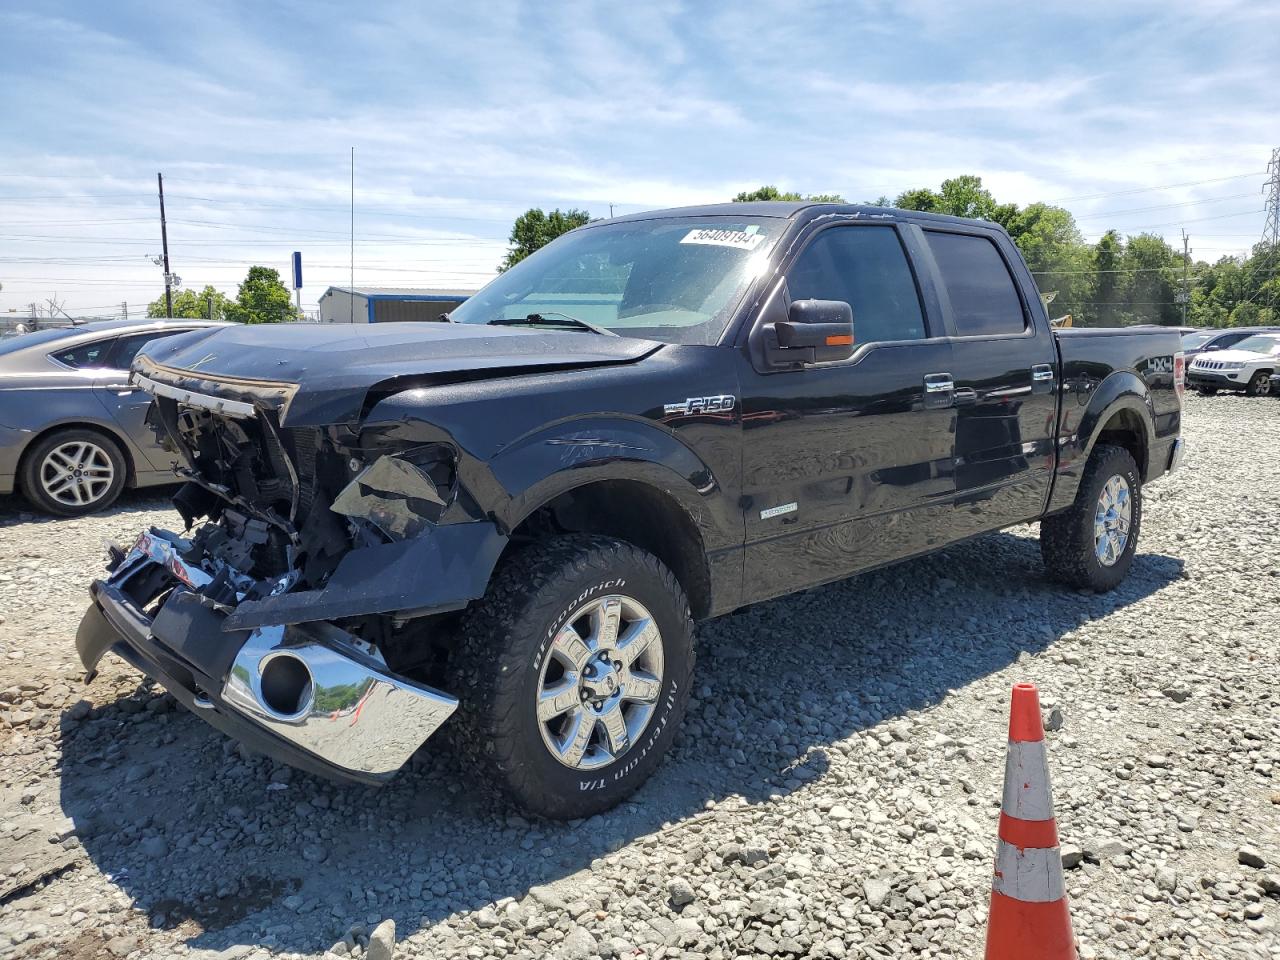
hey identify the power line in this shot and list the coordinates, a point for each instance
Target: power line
(1163, 206)
(1163, 186)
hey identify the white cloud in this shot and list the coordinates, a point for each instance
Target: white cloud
(464, 117)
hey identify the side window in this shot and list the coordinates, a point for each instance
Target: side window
(127, 347)
(87, 356)
(984, 299)
(867, 268)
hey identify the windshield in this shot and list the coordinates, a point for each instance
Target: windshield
(34, 338)
(1259, 344)
(676, 280)
(1192, 340)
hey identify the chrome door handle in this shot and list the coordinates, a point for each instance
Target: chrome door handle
(1042, 372)
(939, 383)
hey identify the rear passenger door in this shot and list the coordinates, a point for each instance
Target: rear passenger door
(1005, 372)
(126, 403)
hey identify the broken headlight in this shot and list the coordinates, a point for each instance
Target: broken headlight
(401, 494)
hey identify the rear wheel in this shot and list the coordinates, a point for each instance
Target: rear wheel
(1259, 384)
(73, 472)
(576, 670)
(1091, 544)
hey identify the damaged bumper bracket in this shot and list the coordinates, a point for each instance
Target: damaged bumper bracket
(285, 682)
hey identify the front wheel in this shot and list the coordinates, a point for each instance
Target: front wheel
(1259, 384)
(1092, 543)
(576, 670)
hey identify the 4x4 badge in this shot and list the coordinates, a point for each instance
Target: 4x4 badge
(721, 404)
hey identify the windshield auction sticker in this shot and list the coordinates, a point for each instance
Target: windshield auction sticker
(738, 239)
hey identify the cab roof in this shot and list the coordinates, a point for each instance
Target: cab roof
(801, 211)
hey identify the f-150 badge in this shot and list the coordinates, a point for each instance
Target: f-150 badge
(721, 404)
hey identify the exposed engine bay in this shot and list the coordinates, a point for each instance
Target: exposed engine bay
(316, 579)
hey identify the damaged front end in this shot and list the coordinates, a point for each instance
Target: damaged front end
(302, 609)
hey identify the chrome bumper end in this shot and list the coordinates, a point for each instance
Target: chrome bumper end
(309, 684)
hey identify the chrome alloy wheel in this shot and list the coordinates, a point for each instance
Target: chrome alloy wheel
(77, 473)
(1111, 521)
(599, 682)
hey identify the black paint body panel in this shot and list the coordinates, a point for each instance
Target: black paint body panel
(878, 469)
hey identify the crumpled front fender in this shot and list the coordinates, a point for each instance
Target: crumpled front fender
(443, 569)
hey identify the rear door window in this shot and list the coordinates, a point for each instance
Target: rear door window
(127, 347)
(86, 356)
(984, 298)
(867, 268)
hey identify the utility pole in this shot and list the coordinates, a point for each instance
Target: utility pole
(352, 299)
(209, 305)
(164, 241)
(1186, 261)
(1271, 229)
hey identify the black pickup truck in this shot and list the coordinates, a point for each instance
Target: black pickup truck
(517, 513)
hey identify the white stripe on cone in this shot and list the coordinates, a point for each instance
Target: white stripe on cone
(1031, 874)
(1026, 782)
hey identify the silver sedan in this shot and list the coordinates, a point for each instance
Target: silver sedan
(73, 432)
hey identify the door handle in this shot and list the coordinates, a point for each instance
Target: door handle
(1042, 372)
(939, 391)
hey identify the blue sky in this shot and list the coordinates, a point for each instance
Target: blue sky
(463, 116)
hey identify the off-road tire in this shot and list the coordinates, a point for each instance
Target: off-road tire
(502, 641)
(34, 458)
(1259, 384)
(1067, 538)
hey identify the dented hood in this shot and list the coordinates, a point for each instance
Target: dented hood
(319, 374)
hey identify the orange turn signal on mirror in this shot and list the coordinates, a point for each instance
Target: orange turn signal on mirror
(845, 340)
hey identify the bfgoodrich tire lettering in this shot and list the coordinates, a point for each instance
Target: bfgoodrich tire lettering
(1074, 543)
(505, 642)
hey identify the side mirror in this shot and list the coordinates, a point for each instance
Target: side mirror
(815, 331)
(1211, 347)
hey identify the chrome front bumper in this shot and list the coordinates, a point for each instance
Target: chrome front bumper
(310, 694)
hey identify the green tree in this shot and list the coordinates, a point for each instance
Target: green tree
(534, 229)
(1149, 261)
(922, 199)
(962, 196)
(262, 298)
(1109, 283)
(190, 305)
(770, 192)
(1054, 250)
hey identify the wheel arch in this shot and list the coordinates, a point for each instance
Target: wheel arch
(639, 511)
(1119, 412)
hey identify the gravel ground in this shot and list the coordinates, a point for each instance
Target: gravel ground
(834, 793)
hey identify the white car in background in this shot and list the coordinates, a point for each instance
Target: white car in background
(1247, 366)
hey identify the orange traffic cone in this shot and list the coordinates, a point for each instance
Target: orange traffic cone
(1029, 918)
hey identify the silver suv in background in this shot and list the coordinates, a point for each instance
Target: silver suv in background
(1210, 341)
(1246, 366)
(72, 428)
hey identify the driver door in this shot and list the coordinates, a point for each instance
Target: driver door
(848, 464)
